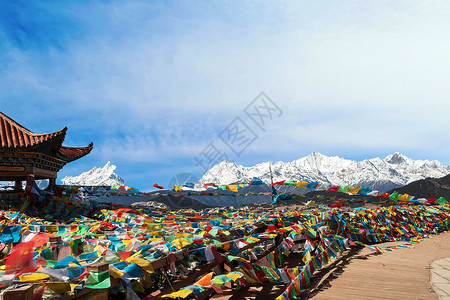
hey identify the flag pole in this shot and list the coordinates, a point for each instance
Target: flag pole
(270, 169)
(274, 192)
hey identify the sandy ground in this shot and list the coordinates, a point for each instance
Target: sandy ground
(363, 274)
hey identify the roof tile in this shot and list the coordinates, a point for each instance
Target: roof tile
(13, 135)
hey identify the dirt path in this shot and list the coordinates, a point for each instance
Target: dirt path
(363, 274)
(400, 274)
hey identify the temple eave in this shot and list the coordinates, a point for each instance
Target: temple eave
(25, 155)
(69, 154)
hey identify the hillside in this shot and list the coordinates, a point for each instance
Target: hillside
(428, 188)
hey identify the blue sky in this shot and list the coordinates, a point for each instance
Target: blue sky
(152, 83)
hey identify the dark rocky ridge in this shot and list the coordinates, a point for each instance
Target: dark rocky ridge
(427, 188)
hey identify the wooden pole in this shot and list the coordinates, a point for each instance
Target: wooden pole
(52, 182)
(30, 180)
(18, 186)
(271, 179)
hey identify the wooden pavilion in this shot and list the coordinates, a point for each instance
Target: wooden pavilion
(28, 156)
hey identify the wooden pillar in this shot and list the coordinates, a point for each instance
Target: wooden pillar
(18, 186)
(30, 180)
(51, 182)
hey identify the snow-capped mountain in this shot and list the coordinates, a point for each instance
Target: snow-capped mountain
(379, 174)
(42, 184)
(96, 176)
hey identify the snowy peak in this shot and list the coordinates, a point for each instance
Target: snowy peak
(393, 171)
(95, 177)
(396, 159)
(226, 170)
(317, 160)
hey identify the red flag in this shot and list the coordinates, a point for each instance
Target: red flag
(278, 183)
(21, 256)
(124, 255)
(158, 186)
(334, 188)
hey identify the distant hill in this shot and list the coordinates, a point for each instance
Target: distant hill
(428, 188)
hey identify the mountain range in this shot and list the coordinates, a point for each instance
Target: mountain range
(393, 171)
(96, 177)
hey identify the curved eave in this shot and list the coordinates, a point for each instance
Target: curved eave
(14, 136)
(69, 154)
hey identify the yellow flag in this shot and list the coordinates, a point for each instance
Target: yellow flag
(281, 297)
(254, 239)
(274, 274)
(246, 275)
(233, 276)
(143, 263)
(59, 287)
(178, 294)
(310, 203)
(307, 257)
(404, 197)
(354, 190)
(116, 273)
(232, 187)
(297, 285)
(126, 242)
(301, 184)
(181, 243)
(33, 277)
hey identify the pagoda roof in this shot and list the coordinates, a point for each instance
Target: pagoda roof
(15, 137)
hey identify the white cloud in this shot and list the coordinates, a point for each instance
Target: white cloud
(154, 81)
